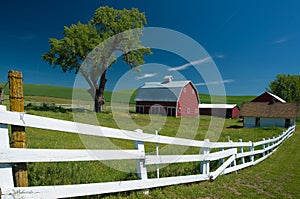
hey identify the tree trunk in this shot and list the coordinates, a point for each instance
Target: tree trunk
(1, 95)
(99, 95)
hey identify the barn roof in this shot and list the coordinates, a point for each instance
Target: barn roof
(270, 110)
(275, 97)
(161, 92)
(227, 106)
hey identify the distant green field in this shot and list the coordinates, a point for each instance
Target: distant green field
(205, 98)
(120, 96)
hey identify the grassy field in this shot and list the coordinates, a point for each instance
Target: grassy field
(205, 98)
(57, 94)
(277, 177)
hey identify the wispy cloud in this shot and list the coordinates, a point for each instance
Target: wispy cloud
(147, 75)
(282, 40)
(185, 66)
(219, 55)
(24, 37)
(215, 82)
(227, 21)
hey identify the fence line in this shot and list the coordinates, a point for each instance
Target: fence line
(233, 156)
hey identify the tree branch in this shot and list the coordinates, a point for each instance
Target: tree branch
(93, 87)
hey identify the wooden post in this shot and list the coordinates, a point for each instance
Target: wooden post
(16, 99)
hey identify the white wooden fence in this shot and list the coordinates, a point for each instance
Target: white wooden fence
(232, 156)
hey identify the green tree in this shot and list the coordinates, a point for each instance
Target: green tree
(287, 87)
(90, 48)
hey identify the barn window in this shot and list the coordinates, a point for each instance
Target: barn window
(193, 92)
(257, 121)
(184, 90)
(188, 110)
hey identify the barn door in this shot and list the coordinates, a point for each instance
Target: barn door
(257, 122)
(287, 123)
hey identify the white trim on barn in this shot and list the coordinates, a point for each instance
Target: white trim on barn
(217, 105)
(276, 97)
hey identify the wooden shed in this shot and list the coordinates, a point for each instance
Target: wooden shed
(220, 110)
(172, 98)
(263, 114)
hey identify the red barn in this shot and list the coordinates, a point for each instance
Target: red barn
(172, 98)
(220, 110)
(268, 97)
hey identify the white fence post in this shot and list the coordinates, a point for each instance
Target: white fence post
(273, 142)
(234, 161)
(140, 164)
(251, 148)
(263, 147)
(222, 159)
(157, 154)
(204, 166)
(6, 174)
(242, 151)
(268, 144)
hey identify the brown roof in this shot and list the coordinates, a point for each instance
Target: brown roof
(270, 110)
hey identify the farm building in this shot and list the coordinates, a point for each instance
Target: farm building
(172, 98)
(262, 114)
(268, 97)
(220, 110)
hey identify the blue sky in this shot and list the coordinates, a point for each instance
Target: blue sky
(250, 42)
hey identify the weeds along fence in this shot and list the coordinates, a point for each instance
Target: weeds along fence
(232, 156)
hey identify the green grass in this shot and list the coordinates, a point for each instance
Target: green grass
(50, 94)
(205, 98)
(276, 177)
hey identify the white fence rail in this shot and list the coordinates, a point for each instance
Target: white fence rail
(231, 156)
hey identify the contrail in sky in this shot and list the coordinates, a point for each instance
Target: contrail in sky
(214, 82)
(185, 66)
(147, 75)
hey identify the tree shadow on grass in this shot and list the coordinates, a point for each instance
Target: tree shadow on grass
(234, 127)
